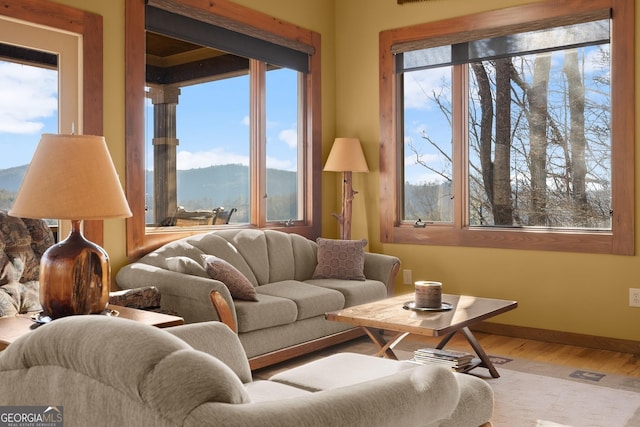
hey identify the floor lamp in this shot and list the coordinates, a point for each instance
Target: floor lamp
(72, 177)
(346, 156)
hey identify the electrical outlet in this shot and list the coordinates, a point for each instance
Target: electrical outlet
(634, 297)
(407, 277)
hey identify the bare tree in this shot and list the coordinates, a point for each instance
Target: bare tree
(577, 138)
(539, 142)
(538, 118)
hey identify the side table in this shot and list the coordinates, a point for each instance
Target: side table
(13, 327)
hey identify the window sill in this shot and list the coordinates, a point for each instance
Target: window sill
(598, 242)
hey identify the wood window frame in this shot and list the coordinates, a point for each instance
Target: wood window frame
(222, 12)
(89, 26)
(620, 240)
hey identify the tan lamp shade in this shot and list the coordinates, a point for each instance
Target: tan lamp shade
(346, 156)
(71, 177)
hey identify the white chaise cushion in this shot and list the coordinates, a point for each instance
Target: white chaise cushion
(340, 370)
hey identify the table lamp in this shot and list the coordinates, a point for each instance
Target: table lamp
(346, 156)
(72, 177)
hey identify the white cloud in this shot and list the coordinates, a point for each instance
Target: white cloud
(274, 163)
(420, 85)
(218, 156)
(28, 94)
(202, 159)
(410, 160)
(289, 137)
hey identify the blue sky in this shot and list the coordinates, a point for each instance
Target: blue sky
(213, 122)
(28, 108)
(213, 119)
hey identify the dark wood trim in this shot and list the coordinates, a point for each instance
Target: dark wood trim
(89, 25)
(559, 337)
(278, 356)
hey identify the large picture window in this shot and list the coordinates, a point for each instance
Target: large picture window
(230, 123)
(509, 137)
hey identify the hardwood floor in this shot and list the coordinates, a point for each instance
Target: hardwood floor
(496, 345)
(568, 355)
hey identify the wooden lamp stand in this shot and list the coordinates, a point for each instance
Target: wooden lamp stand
(346, 156)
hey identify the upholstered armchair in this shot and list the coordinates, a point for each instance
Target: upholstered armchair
(22, 243)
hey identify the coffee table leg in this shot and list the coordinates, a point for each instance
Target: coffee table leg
(484, 359)
(385, 347)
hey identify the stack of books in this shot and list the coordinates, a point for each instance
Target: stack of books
(458, 361)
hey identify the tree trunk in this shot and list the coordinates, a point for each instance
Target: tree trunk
(538, 95)
(577, 140)
(502, 206)
(486, 121)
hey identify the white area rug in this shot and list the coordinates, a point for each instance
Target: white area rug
(536, 394)
(523, 400)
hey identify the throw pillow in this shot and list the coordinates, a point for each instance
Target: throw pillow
(239, 286)
(340, 259)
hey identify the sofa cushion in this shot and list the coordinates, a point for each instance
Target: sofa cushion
(310, 300)
(186, 265)
(281, 256)
(355, 293)
(340, 259)
(340, 370)
(269, 311)
(239, 286)
(222, 244)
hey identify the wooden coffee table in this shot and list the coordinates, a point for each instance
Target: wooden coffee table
(13, 327)
(389, 315)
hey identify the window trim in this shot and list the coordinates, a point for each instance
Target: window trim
(620, 240)
(140, 240)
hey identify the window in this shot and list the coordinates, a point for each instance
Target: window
(231, 121)
(513, 136)
(51, 63)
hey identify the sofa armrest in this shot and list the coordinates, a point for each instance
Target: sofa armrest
(185, 294)
(219, 341)
(420, 396)
(224, 312)
(382, 267)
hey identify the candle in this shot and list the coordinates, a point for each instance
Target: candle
(428, 294)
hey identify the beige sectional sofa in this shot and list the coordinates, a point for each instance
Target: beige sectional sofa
(99, 370)
(288, 317)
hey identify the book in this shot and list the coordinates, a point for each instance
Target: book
(456, 360)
